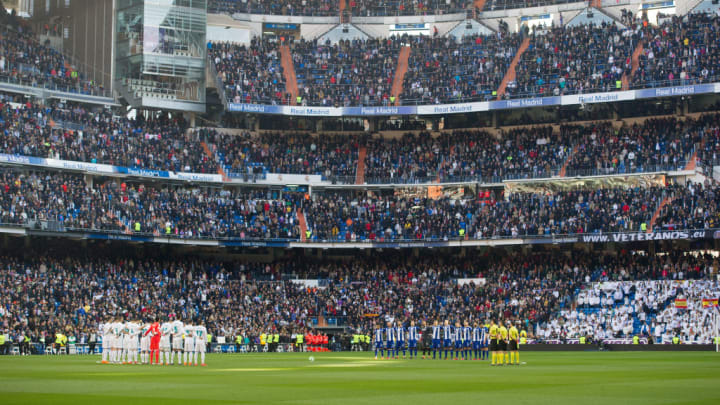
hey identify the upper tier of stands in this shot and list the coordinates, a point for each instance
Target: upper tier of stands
(368, 8)
(26, 61)
(348, 73)
(565, 60)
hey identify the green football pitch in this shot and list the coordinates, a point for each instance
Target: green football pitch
(576, 378)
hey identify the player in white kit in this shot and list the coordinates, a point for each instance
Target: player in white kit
(107, 342)
(165, 330)
(144, 344)
(189, 344)
(125, 338)
(117, 329)
(177, 341)
(200, 340)
(133, 331)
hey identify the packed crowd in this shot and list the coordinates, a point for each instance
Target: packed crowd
(250, 74)
(691, 207)
(624, 309)
(492, 5)
(363, 8)
(449, 69)
(42, 294)
(577, 59)
(74, 132)
(115, 206)
(291, 7)
(396, 217)
(24, 60)
(560, 60)
(679, 51)
(347, 73)
(70, 201)
(284, 153)
(369, 8)
(655, 145)
(463, 155)
(598, 148)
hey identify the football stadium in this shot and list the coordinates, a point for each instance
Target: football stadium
(360, 201)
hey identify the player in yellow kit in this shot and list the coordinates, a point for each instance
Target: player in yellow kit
(513, 345)
(493, 342)
(502, 342)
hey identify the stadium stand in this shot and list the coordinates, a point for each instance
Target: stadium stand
(328, 156)
(337, 218)
(362, 8)
(452, 70)
(293, 7)
(376, 187)
(348, 73)
(74, 132)
(680, 51)
(493, 5)
(571, 60)
(627, 308)
(559, 60)
(71, 131)
(41, 294)
(69, 203)
(24, 60)
(251, 74)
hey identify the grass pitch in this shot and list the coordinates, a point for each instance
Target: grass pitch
(356, 378)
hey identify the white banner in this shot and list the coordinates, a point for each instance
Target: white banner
(597, 97)
(476, 281)
(453, 108)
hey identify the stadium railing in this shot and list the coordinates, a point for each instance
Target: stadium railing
(94, 91)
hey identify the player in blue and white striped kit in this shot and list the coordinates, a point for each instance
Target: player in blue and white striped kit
(477, 340)
(436, 338)
(457, 340)
(390, 340)
(413, 337)
(486, 341)
(400, 342)
(467, 341)
(379, 332)
(448, 334)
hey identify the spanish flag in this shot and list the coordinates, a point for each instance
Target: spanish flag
(681, 304)
(709, 302)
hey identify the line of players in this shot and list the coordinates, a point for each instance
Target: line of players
(157, 343)
(480, 341)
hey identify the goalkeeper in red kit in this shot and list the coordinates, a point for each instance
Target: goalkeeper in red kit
(154, 332)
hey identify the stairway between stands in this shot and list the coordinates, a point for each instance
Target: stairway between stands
(360, 171)
(657, 214)
(400, 71)
(635, 64)
(211, 156)
(286, 62)
(563, 170)
(302, 224)
(510, 74)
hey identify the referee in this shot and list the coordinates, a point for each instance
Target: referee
(513, 345)
(493, 342)
(502, 345)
